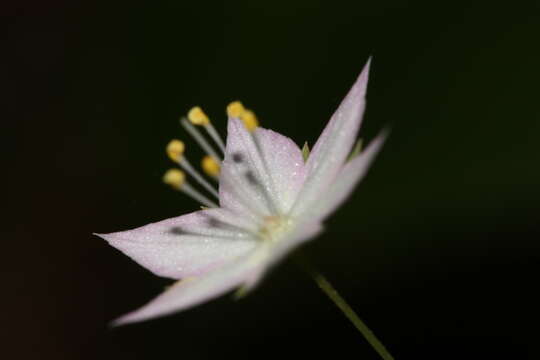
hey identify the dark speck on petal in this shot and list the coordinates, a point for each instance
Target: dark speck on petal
(250, 176)
(177, 231)
(237, 157)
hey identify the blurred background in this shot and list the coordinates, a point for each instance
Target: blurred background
(437, 249)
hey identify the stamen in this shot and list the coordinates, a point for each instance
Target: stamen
(197, 117)
(237, 110)
(186, 165)
(215, 136)
(175, 150)
(193, 131)
(177, 180)
(250, 120)
(210, 166)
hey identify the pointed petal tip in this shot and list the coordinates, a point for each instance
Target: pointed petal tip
(133, 317)
(368, 64)
(103, 236)
(376, 144)
(121, 321)
(362, 81)
(384, 133)
(107, 237)
(124, 319)
(114, 324)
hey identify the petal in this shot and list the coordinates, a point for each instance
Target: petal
(331, 149)
(347, 179)
(262, 171)
(285, 165)
(187, 245)
(193, 291)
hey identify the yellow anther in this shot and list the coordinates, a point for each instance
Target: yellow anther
(210, 166)
(235, 109)
(175, 149)
(249, 119)
(174, 178)
(197, 116)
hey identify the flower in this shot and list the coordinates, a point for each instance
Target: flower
(271, 200)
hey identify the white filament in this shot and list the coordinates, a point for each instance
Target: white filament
(185, 164)
(190, 191)
(195, 133)
(215, 136)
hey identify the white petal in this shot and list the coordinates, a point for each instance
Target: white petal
(187, 245)
(333, 146)
(193, 291)
(346, 180)
(285, 165)
(262, 171)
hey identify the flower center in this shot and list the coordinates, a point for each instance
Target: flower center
(274, 227)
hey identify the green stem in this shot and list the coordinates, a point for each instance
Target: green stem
(332, 293)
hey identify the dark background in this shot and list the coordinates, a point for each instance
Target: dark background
(437, 249)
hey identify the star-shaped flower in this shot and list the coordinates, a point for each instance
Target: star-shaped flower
(270, 201)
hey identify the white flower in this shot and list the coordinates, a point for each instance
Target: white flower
(270, 202)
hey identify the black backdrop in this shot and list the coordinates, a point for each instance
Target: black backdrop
(437, 250)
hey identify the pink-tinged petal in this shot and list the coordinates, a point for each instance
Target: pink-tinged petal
(189, 292)
(187, 245)
(262, 171)
(285, 165)
(243, 180)
(333, 146)
(346, 180)
(236, 196)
